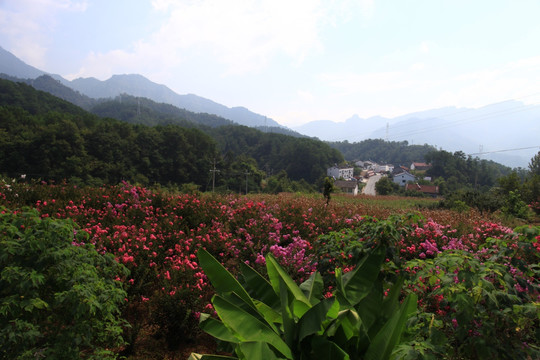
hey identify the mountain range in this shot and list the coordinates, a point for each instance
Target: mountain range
(136, 85)
(492, 132)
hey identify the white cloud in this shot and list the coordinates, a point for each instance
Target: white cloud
(512, 81)
(240, 36)
(345, 84)
(26, 25)
(424, 47)
(305, 96)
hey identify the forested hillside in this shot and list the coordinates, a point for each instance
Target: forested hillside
(460, 170)
(383, 152)
(147, 112)
(49, 138)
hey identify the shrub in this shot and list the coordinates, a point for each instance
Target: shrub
(485, 303)
(59, 296)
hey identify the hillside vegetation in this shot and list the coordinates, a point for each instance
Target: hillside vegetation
(49, 138)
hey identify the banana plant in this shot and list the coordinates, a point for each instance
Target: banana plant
(275, 318)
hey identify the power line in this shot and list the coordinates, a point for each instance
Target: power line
(505, 150)
(460, 122)
(474, 118)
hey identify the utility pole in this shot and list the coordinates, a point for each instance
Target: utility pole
(213, 171)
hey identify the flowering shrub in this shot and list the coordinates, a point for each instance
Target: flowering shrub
(157, 234)
(485, 301)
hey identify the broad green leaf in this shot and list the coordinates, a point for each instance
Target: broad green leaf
(370, 308)
(222, 280)
(276, 272)
(287, 316)
(233, 298)
(270, 315)
(346, 326)
(313, 287)
(299, 308)
(388, 337)
(246, 326)
(258, 287)
(324, 349)
(257, 350)
(391, 302)
(357, 284)
(218, 330)
(312, 321)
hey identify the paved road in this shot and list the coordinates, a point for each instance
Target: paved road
(369, 189)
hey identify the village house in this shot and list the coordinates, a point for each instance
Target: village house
(431, 190)
(403, 177)
(340, 172)
(373, 166)
(384, 168)
(347, 186)
(420, 166)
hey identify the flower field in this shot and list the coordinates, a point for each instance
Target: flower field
(477, 280)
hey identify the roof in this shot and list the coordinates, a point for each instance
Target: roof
(426, 189)
(341, 167)
(346, 184)
(403, 172)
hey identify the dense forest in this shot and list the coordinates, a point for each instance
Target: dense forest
(383, 152)
(460, 170)
(49, 138)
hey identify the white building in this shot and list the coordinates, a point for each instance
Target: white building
(384, 168)
(403, 178)
(340, 172)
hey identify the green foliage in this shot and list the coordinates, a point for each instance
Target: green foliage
(280, 182)
(48, 138)
(342, 249)
(464, 199)
(173, 316)
(277, 319)
(300, 158)
(59, 297)
(137, 110)
(328, 189)
(463, 172)
(484, 307)
(385, 186)
(514, 206)
(389, 152)
(534, 165)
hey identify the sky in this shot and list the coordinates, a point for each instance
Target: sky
(294, 61)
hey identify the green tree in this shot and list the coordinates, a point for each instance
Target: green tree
(60, 299)
(328, 189)
(534, 165)
(385, 186)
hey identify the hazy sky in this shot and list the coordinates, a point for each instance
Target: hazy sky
(293, 60)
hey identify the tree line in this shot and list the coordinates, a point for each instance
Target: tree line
(45, 137)
(383, 152)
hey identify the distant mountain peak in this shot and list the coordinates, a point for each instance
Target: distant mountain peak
(139, 86)
(13, 66)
